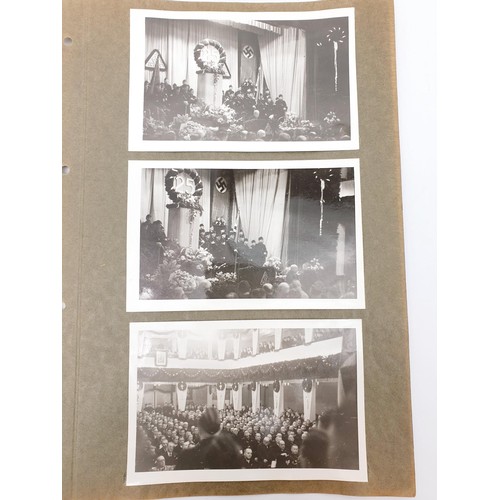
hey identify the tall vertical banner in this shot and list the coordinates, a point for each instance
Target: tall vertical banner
(249, 56)
(309, 395)
(278, 398)
(256, 398)
(181, 390)
(237, 392)
(221, 395)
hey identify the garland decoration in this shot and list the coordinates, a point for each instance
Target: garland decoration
(182, 386)
(318, 367)
(209, 66)
(307, 385)
(184, 200)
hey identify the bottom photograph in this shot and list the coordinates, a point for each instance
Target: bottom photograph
(265, 400)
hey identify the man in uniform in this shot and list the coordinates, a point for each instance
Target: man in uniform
(260, 252)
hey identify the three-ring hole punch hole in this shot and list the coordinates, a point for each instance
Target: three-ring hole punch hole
(68, 41)
(65, 170)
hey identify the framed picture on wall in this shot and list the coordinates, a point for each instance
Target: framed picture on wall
(161, 358)
(243, 81)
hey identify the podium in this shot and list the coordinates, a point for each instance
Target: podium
(181, 229)
(208, 92)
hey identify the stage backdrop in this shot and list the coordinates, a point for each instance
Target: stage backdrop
(176, 40)
(282, 58)
(284, 66)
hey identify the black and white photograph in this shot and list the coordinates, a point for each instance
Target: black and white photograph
(244, 235)
(243, 81)
(246, 401)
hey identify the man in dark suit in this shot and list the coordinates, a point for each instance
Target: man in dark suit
(248, 463)
(280, 107)
(260, 252)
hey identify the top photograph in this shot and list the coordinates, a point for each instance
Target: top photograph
(243, 81)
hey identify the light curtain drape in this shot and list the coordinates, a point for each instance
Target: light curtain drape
(284, 63)
(237, 397)
(260, 197)
(176, 40)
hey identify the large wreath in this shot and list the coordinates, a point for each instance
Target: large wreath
(235, 386)
(184, 200)
(253, 386)
(203, 65)
(182, 386)
(276, 386)
(221, 386)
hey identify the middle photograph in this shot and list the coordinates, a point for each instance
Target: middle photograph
(216, 235)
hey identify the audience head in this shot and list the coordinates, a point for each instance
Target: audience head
(314, 451)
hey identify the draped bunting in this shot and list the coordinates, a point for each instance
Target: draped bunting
(284, 65)
(176, 39)
(279, 400)
(256, 398)
(317, 367)
(260, 197)
(181, 397)
(310, 402)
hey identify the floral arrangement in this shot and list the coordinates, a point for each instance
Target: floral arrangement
(183, 280)
(223, 115)
(222, 284)
(331, 118)
(196, 262)
(192, 130)
(312, 265)
(274, 263)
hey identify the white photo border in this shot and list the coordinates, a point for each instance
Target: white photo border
(136, 141)
(135, 304)
(307, 474)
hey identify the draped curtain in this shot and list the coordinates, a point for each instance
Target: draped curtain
(176, 40)
(260, 197)
(284, 64)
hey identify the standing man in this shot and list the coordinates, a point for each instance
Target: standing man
(280, 107)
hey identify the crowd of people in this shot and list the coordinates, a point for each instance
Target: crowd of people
(231, 252)
(202, 437)
(229, 247)
(245, 102)
(168, 100)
